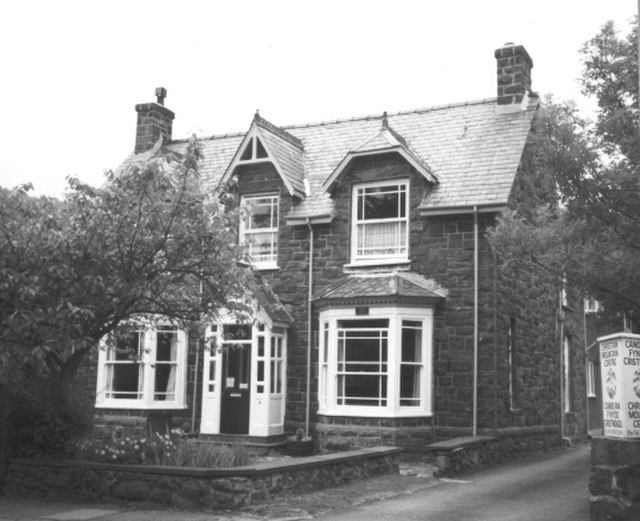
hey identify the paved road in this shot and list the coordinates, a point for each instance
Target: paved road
(552, 487)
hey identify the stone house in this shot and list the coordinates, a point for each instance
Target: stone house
(401, 327)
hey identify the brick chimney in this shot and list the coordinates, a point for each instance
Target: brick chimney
(154, 122)
(514, 74)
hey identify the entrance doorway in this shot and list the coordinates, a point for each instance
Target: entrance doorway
(236, 377)
(243, 392)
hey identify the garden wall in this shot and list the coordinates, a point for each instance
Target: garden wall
(192, 488)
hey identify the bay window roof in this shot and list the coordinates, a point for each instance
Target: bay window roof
(401, 287)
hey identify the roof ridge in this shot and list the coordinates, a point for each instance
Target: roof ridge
(372, 117)
(369, 117)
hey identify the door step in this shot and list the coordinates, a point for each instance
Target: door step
(257, 443)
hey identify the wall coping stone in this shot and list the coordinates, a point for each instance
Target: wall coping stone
(252, 470)
(454, 444)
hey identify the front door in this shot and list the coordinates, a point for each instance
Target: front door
(236, 379)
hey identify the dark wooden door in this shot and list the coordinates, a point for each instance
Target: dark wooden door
(236, 378)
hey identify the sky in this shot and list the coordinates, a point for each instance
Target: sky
(71, 72)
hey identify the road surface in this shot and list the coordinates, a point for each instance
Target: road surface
(548, 487)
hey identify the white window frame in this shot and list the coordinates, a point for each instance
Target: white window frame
(328, 381)
(591, 305)
(591, 379)
(247, 231)
(147, 364)
(358, 226)
(252, 145)
(566, 374)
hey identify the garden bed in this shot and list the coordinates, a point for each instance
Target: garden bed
(193, 488)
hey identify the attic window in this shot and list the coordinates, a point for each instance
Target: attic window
(254, 150)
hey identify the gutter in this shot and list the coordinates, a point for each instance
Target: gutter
(461, 210)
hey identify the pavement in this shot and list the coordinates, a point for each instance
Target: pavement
(288, 507)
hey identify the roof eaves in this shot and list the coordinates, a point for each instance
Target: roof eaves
(411, 158)
(496, 207)
(256, 129)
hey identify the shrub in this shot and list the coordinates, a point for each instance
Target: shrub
(167, 450)
(37, 429)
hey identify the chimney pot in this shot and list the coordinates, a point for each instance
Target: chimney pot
(161, 94)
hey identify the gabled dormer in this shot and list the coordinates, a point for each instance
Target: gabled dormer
(268, 164)
(385, 141)
(264, 142)
(381, 204)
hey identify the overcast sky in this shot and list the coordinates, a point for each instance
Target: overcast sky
(72, 71)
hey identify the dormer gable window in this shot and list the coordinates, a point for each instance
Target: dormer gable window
(380, 232)
(254, 151)
(259, 229)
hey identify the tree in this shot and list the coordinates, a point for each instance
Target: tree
(593, 236)
(150, 242)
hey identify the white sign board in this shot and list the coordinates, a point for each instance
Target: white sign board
(620, 376)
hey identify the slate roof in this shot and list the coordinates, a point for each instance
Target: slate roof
(472, 149)
(268, 301)
(385, 140)
(365, 286)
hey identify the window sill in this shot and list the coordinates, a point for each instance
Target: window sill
(378, 262)
(138, 405)
(266, 267)
(368, 413)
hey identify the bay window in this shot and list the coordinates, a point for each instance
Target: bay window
(375, 365)
(143, 369)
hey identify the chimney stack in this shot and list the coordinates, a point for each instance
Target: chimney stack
(514, 74)
(154, 122)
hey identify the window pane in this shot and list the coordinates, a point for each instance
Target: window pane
(248, 152)
(165, 382)
(362, 357)
(364, 324)
(260, 151)
(411, 342)
(382, 238)
(410, 385)
(167, 344)
(381, 202)
(263, 212)
(126, 381)
(127, 348)
(237, 332)
(262, 246)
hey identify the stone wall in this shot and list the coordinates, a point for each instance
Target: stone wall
(463, 454)
(615, 479)
(190, 488)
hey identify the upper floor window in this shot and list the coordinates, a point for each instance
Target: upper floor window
(143, 369)
(380, 230)
(259, 230)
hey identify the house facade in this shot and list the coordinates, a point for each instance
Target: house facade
(386, 317)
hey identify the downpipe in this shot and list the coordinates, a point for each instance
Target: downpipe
(475, 319)
(309, 332)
